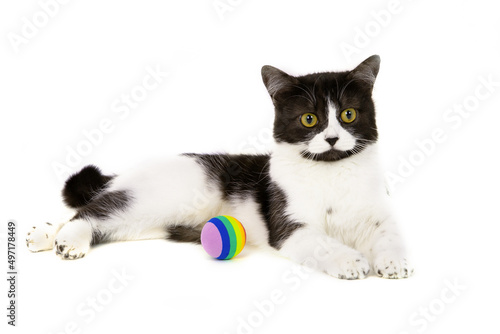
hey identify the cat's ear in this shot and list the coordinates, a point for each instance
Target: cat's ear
(276, 80)
(367, 71)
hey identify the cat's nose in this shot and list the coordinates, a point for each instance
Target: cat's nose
(332, 140)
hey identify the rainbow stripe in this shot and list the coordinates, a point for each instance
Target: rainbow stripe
(223, 237)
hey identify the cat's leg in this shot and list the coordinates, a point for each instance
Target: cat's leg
(110, 216)
(387, 252)
(315, 249)
(76, 237)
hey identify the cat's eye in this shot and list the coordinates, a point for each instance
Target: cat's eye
(348, 115)
(308, 120)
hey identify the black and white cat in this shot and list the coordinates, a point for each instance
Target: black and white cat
(319, 198)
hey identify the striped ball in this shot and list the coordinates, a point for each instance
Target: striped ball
(223, 237)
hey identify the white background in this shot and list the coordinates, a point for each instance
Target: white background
(66, 78)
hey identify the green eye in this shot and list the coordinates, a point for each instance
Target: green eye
(308, 120)
(348, 115)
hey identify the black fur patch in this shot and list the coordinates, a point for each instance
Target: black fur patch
(104, 205)
(184, 234)
(81, 187)
(243, 176)
(280, 226)
(236, 175)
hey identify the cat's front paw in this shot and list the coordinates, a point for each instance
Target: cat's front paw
(393, 267)
(349, 265)
(41, 237)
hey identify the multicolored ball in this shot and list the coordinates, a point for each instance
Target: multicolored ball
(223, 237)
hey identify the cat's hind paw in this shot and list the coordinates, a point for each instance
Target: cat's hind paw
(73, 240)
(41, 238)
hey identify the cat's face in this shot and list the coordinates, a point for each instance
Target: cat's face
(324, 116)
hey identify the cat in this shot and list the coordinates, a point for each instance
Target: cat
(319, 198)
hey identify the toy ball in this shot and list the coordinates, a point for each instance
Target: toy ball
(223, 237)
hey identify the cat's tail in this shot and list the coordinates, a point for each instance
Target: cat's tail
(81, 187)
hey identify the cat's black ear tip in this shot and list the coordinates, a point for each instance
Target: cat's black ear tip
(275, 79)
(374, 59)
(371, 64)
(267, 70)
(271, 73)
(264, 69)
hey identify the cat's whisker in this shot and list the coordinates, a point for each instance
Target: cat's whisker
(313, 99)
(344, 88)
(314, 88)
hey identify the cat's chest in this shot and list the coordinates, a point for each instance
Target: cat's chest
(329, 194)
(325, 192)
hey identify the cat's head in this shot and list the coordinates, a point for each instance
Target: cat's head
(324, 116)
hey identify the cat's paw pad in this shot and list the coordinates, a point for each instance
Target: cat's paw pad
(41, 238)
(392, 267)
(71, 250)
(349, 266)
